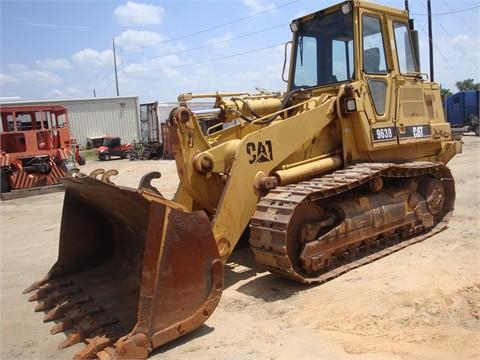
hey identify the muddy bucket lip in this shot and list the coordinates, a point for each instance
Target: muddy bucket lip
(77, 181)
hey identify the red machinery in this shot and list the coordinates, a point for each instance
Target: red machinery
(112, 146)
(36, 147)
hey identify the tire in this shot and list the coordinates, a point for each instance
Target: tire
(5, 186)
(474, 124)
(81, 160)
(104, 157)
(127, 155)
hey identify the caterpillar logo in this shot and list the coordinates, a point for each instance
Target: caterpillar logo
(260, 152)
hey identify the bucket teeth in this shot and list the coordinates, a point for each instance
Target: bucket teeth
(94, 345)
(61, 326)
(87, 326)
(71, 339)
(59, 310)
(49, 288)
(56, 313)
(74, 315)
(56, 296)
(47, 304)
(106, 354)
(36, 284)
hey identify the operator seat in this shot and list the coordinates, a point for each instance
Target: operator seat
(371, 60)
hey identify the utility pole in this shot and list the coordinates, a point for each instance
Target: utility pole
(430, 39)
(115, 66)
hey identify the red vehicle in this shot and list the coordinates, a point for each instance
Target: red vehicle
(35, 146)
(112, 146)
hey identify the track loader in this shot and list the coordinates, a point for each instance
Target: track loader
(344, 168)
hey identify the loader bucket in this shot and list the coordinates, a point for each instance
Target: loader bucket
(134, 271)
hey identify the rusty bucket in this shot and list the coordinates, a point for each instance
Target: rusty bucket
(134, 271)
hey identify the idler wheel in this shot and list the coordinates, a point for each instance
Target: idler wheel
(434, 193)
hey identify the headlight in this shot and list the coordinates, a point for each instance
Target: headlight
(350, 105)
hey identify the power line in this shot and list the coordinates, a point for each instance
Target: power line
(437, 48)
(201, 47)
(95, 75)
(465, 23)
(215, 27)
(445, 58)
(207, 30)
(458, 46)
(110, 83)
(105, 87)
(208, 60)
(449, 12)
(213, 44)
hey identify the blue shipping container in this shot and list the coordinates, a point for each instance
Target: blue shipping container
(463, 109)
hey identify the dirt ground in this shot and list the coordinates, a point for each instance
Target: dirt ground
(420, 303)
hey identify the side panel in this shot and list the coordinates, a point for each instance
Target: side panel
(413, 122)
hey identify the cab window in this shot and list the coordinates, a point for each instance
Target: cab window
(405, 56)
(374, 61)
(324, 50)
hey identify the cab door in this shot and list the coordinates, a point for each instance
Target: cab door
(376, 72)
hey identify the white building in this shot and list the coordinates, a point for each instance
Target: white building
(92, 117)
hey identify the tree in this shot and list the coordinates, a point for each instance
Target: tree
(467, 84)
(444, 93)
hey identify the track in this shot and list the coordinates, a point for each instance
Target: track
(280, 227)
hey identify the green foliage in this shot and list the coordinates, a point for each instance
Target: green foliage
(139, 147)
(444, 93)
(89, 154)
(467, 84)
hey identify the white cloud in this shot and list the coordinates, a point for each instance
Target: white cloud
(132, 39)
(164, 65)
(90, 57)
(460, 39)
(133, 13)
(45, 77)
(17, 67)
(455, 59)
(54, 64)
(4, 78)
(221, 42)
(65, 93)
(256, 6)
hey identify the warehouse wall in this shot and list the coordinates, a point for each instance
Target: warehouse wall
(104, 117)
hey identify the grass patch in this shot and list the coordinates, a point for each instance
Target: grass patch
(89, 154)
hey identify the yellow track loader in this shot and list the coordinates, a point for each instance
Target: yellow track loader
(344, 168)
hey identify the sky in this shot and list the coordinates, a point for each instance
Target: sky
(64, 49)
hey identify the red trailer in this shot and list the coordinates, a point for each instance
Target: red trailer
(35, 146)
